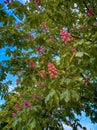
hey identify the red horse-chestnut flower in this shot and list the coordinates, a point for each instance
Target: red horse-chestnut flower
(21, 95)
(90, 12)
(14, 115)
(44, 27)
(41, 85)
(27, 104)
(30, 35)
(17, 81)
(40, 50)
(35, 96)
(18, 107)
(37, 2)
(66, 36)
(52, 71)
(43, 74)
(73, 49)
(18, 24)
(31, 64)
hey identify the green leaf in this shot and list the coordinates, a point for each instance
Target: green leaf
(75, 95)
(14, 4)
(79, 54)
(62, 80)
(56, 99)
(65, 95)
(15, 123)
(67, 81)
(32, 124)
(50, 95)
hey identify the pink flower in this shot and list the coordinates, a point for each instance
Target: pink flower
(27, 104)
(31, 64)
(30, 35)
(18, 107)
(14, 115)
(35, 96)
(44, 27)
(17, 81)
(66, 36)
(52, 71)
(73, 49)
(40, 50)
(40, 85)
(90, 12)
(18, 24)
(37, 2)
(51, 38)
(13, 55)
(43, 74)
(84, 26)
(21, 95)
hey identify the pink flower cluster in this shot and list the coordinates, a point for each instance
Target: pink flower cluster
(37, 2)
(51, 39)
(84, 26)
(35, 96)
(21, 95)
(17, 81)
(30, 35)
(52, 71)
(19, 107)
(40, 50)
(66, 36)
(31, 64)
(18, 24)
(27, 104)
(44, 27)
(40, 84)
(14, 115)
(90, 12)
(43, 74)
(73, 49)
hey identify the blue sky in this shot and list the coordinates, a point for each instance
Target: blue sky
(85, 121)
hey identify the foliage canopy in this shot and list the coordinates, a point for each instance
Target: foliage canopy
(53, 52)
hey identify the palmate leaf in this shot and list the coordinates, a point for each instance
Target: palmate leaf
(15, 123)
(75, 95)
(79, 54)
(56, 99)
(32, 125)
(50, 95)
(65, 96)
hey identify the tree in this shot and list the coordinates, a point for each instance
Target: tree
(53, 53)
